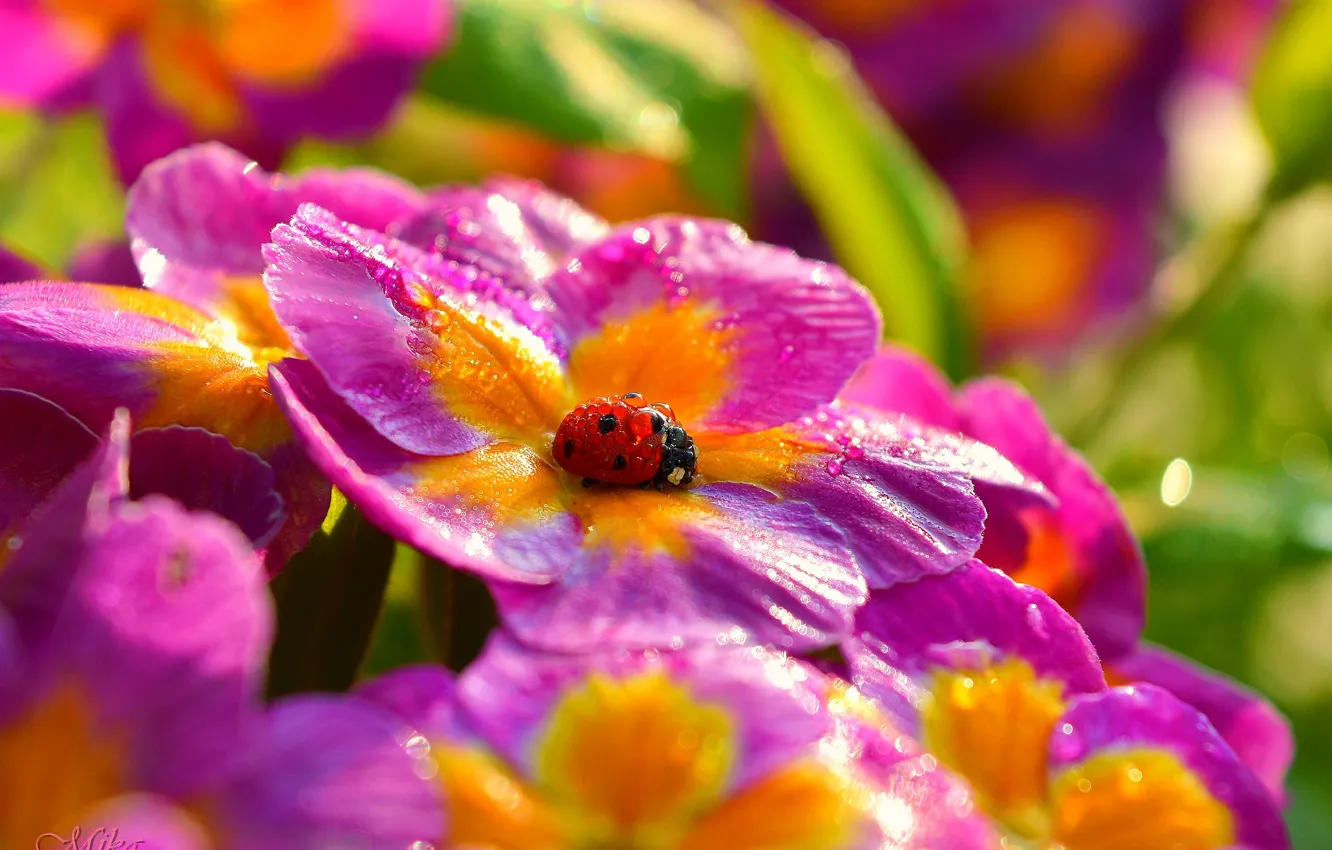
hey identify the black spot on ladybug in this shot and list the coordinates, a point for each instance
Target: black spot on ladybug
(620, 462)
(632, 395)
(607, 423)
(568, 448)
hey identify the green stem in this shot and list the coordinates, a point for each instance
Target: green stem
(457, 614)
(329, 598)
(1217, 276)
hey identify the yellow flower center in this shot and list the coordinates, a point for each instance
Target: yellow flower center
(993, 726)
(639, 764)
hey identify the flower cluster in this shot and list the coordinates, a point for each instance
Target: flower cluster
(1046, 121)
(260, 75)
(877, 613)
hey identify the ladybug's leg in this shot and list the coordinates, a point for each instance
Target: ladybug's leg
(588, 482)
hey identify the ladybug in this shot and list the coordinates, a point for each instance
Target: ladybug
(622, 439)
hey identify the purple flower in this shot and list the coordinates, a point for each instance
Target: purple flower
(436, 380)
(1082, 553)
(133, 635)
(1004, 688)
(191, 348)
(706, 749)
(260, 75)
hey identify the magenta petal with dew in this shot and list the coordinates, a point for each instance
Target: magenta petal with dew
(905, 496)
(44, 444)
(791, 331)
(518, 231)
(358, 305)
(1252, 727)
(754, 569)
(92, 349)
(1077, 548)
(200, 217)
(1145, 718)
(945, 621)
(331, 772)
(1109, 575)
(70, 343)
(382, 479)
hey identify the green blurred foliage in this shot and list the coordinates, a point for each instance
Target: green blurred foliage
(58, 191)
(1292, 96)
(1238, 566)
(889, 220)
(660, 77)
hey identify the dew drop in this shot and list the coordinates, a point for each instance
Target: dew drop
(834, 466)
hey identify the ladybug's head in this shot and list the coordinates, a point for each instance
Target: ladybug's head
(679, 457)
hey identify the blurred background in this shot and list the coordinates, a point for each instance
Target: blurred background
(1120, 203)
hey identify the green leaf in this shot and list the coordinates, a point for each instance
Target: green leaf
(329, 598)
(890, 221)
(58, 190)
(659, 77)
(1292, 96)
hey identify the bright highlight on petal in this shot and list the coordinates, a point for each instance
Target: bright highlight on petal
(631, 762)
(1142, 799)
(511, 483)
(245, 304)
(490, 370)
(993, 727)
(54, 766)
(619, 519)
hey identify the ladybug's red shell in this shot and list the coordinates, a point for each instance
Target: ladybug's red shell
(621, 440)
